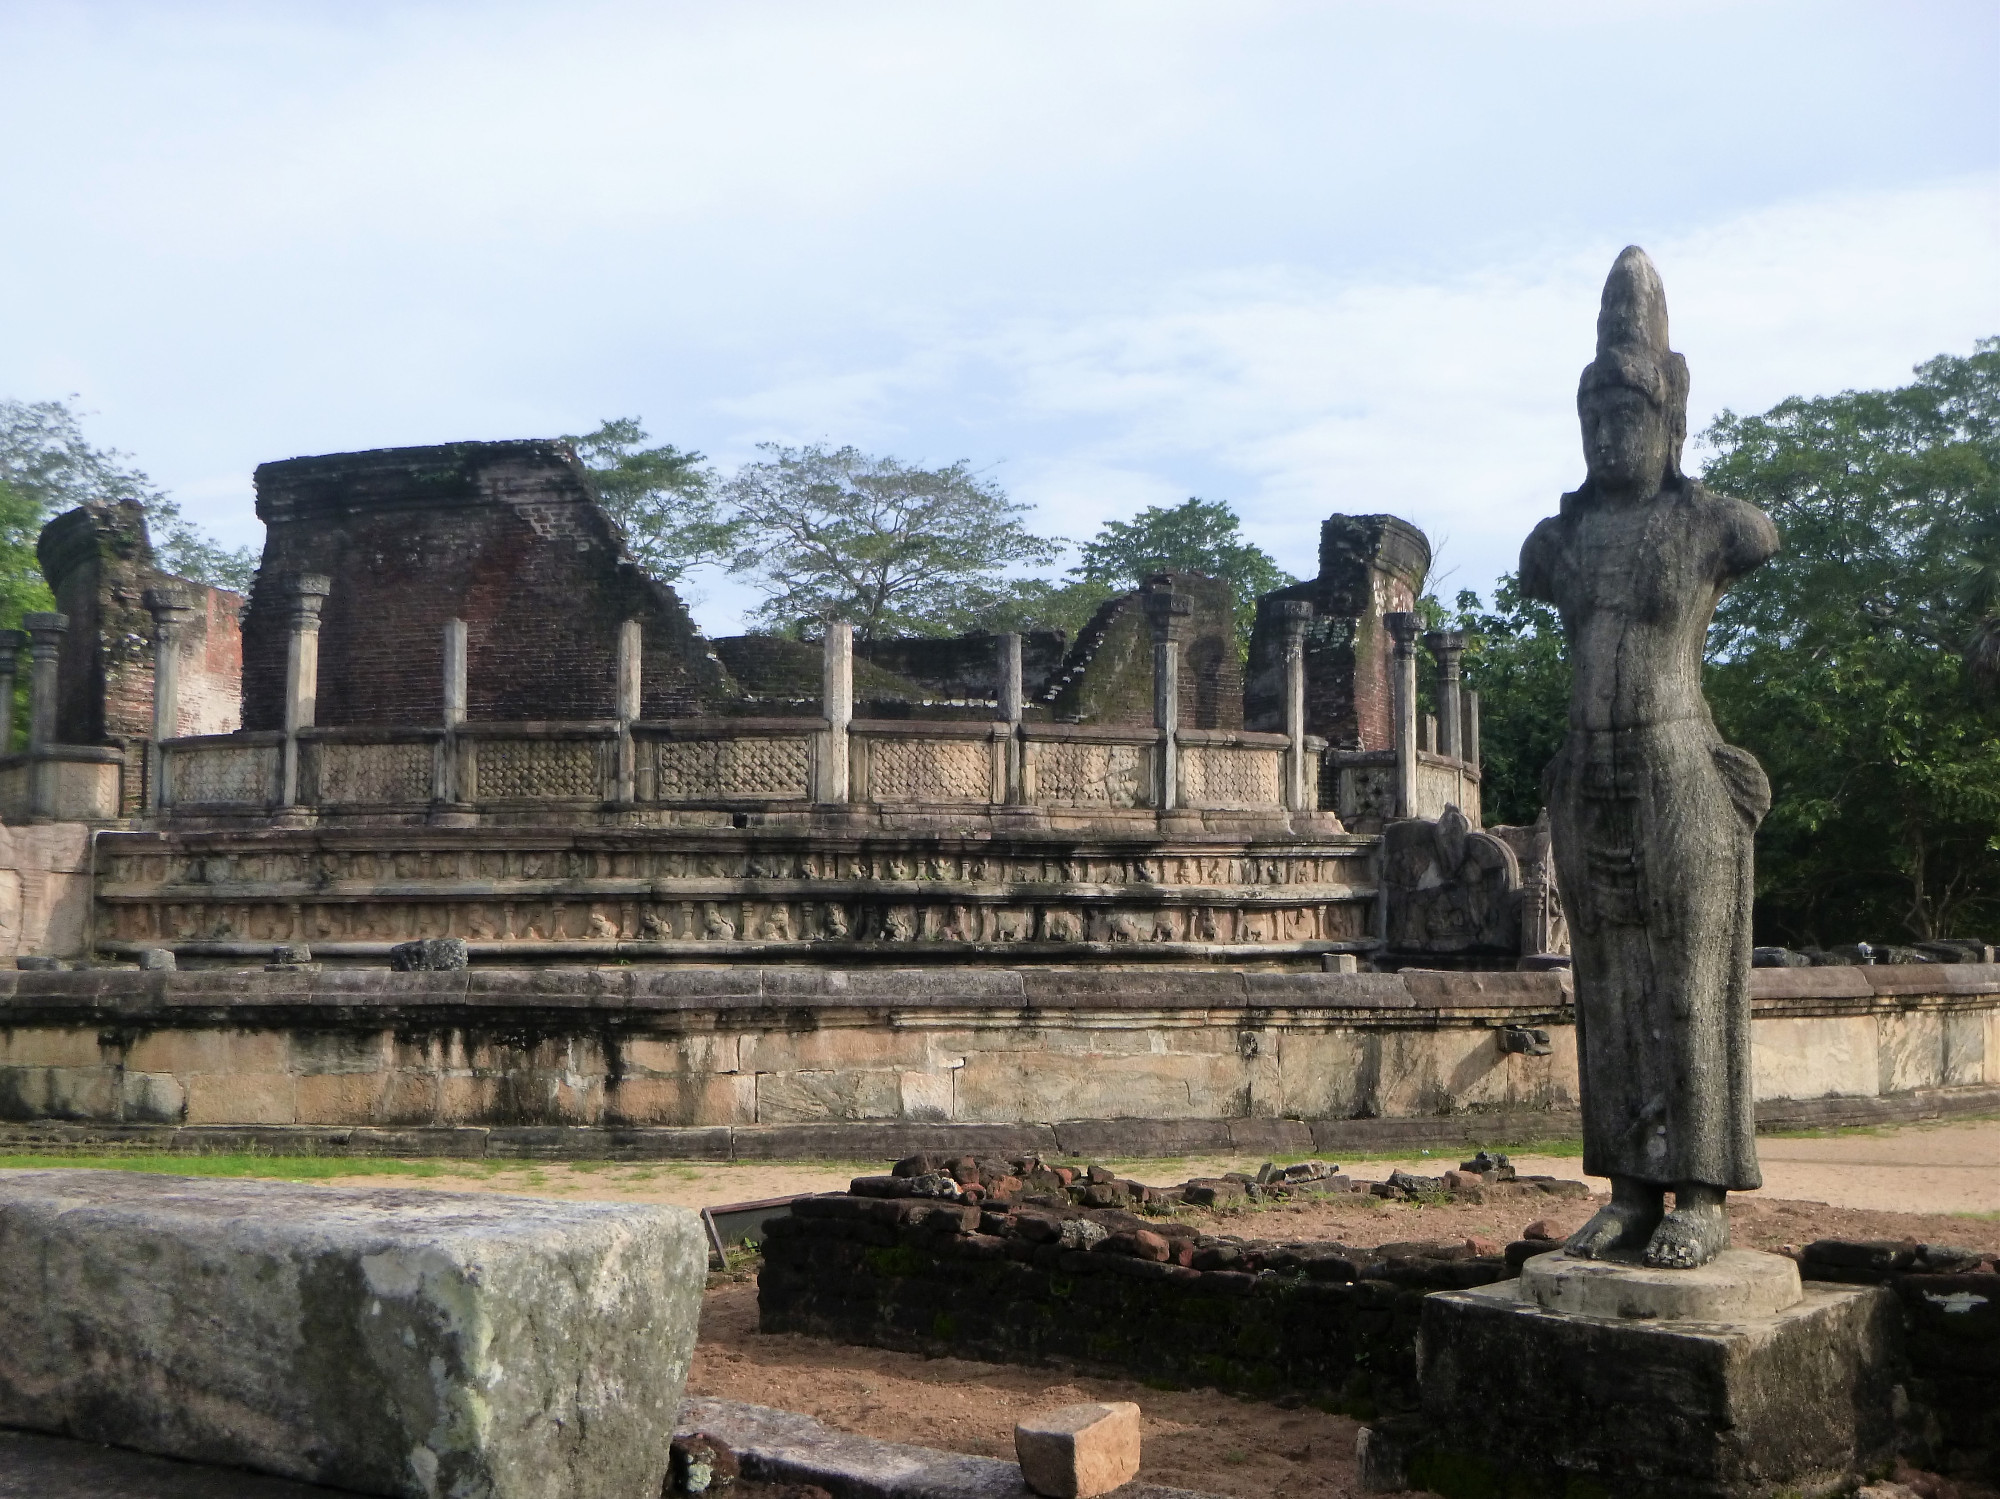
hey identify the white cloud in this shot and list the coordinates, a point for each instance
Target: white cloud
(1447, 401)
(1298, 256)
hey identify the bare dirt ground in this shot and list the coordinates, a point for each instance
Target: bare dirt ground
(1930, 1169)
(1938, 1184)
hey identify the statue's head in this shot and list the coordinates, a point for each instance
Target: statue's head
(1633, 396)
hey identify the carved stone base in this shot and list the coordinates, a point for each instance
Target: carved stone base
(1736, 1284)
(1521, 1399)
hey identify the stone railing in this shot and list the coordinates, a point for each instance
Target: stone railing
(223, 771)
(625, 766)
(476, 767)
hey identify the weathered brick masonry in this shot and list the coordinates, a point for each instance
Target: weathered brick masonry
(1107, 678)
(503, 535)
(1369, 565)
(99, 562)
(946, 1279)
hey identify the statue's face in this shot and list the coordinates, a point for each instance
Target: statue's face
(1624, 438)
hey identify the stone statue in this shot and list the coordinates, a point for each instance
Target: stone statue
(1653, 815)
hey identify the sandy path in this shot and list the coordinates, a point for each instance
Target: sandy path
(1941, 1168)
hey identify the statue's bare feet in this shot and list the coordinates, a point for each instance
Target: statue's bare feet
(1695, 1232)
(1625, 1222)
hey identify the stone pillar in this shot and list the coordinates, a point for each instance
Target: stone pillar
(1301, 789)
(1447, 647)
(302, 595)
(454, 673)
(1469, 734)
(630, 638)
(444, 770)
(1009, 696)
(45, 631)
(1403, 626)
(12, 643)
(837, 703)
(170, 609)
(1168, 612)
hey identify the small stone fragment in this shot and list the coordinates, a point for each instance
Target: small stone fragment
(1541, 1229)
(1081, 1233)
(702, 1464)
(427, 954)
(1079, 1451)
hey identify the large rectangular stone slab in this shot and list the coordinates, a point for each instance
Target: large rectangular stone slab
(388, 1341)
(1517, 1398)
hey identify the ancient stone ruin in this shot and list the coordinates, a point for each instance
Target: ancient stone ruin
(464, 714)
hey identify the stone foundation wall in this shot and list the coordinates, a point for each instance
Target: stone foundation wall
(44, 888)
(946, 1281)
(687, 1048)
(1330, 1323)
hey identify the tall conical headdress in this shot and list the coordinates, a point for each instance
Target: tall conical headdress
(1632, 346)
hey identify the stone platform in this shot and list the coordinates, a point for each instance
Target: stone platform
(1519, 1397)
(382, 1340)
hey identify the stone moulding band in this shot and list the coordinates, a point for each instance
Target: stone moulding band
(867, 1140)
(814, 950)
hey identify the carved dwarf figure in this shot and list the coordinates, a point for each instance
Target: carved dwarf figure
(1653, 815)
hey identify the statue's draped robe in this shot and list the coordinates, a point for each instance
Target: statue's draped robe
(1653, 819)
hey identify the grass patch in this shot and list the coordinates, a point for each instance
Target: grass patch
(290, 1167)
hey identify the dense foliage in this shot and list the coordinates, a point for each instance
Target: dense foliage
(833, 533)
(1197, 536)
(50, 467)
(663, 498)
(1860, 666)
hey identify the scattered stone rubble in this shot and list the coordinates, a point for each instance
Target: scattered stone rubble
(1868, 954)
(1029, 1181)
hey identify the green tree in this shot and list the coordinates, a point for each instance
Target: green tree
(49, 464)
(1517, 660)
(663, 498)
(1197, 536)
(1857, 665)
(833, 533)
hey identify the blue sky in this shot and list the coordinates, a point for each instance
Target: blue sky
(1299, 257)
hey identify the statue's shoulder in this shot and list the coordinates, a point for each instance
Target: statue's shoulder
(1742, 536)
(1541, 554)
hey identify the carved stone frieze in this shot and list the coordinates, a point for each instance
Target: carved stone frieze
(712, 769)
(930, 770)
(1085, 775)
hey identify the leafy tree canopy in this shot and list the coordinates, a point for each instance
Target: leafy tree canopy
(1198, 536)
(1858, 665)
(664, 498)
(838, 534)
(51, 467)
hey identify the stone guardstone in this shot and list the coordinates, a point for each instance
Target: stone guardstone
(1736, 1285)
(383, 1341)
(1520, 1398)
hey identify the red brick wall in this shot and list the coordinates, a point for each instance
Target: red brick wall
(99, 562)
(504, 535)
(1369, 565)
(1108, 676)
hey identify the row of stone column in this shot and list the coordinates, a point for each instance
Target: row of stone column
(1454, 730)
(1168, 615)
(301, 596)
(41, 636)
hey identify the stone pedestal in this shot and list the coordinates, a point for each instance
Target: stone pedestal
(1636, 1396)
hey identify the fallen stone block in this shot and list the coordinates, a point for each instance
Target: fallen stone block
(778, 1446)
(1079, 1451)
(386, 1341)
